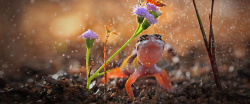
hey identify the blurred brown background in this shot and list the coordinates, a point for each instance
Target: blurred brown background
(43, 34)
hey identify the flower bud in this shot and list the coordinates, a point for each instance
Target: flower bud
(89, 37)
(145, 25)
(140, 19)
(154, 14)
(89, 42)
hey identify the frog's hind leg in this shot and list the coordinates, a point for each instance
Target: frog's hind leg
(114, 73)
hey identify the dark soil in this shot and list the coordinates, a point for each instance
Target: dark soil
(71, 89)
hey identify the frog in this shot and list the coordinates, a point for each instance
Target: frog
(142, 62)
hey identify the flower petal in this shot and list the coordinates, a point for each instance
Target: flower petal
(151, 19)
(140, 11)
(151, 7)
(89, 34)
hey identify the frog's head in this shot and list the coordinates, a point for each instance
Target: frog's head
(149, 49)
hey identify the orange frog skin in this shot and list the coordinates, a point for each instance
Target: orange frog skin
(156, 3)
(143, 63)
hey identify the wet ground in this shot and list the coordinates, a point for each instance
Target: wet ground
(188, 88)
(40, 53)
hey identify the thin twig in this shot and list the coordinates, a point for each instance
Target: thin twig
(105, 59)
(108, 32)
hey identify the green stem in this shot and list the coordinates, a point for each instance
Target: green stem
(201, 26)
(87, 67)
(137, 32)
(139, 25)
(88, 83)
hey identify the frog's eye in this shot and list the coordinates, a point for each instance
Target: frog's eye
(143, 37)
(158, 36)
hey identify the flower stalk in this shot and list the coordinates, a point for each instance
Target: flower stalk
(108, 32)
(87, 67)
(89, 37)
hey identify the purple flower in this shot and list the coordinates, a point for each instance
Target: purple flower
(151, 7)
(89, 34)
(151, 19)
(140, 11)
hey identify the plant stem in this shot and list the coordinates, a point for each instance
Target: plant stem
(139, 25)
(87, 67)
(139, 30)
(201, 26)
(212, 51)
(88, 83)
(105, 58)
(210, 47)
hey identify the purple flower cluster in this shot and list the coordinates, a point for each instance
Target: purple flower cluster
(89, 34)
(142, 11)
(151, 19)
(151, 7)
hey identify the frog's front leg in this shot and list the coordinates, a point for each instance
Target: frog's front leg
(163, 79)
(130, 81)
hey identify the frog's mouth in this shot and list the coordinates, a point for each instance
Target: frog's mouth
(149, 51)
